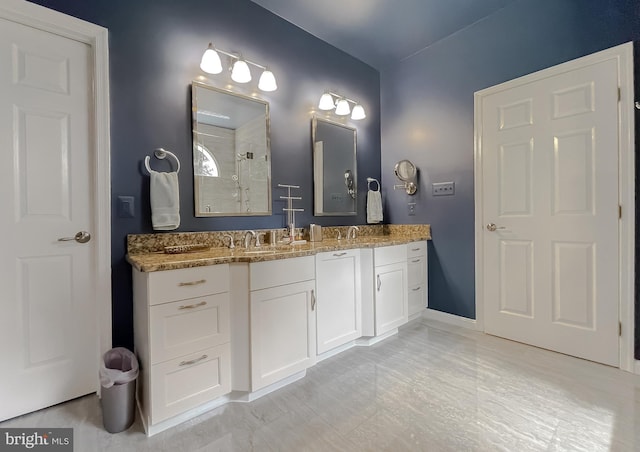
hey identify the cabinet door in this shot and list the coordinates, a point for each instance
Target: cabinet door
(391, 297)
(283, 332)
(417, 277)
(339, 300)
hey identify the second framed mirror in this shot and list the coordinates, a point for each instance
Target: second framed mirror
(335, 175)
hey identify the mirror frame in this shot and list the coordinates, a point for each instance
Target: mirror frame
(196, 184)
(317, 183)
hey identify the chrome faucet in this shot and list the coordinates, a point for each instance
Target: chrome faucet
(231, 244)
(259, 237)
(351, 232)
(247, 238)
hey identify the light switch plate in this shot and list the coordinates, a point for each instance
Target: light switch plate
(411, 209)
(443, 189)
(126, 206)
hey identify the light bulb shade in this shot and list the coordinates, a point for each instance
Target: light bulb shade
(267, 81)
(342, 108)
(326, 102)
(211, 63)
(240, 72)
(358, 112)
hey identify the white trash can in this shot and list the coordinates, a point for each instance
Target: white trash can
(118, 374)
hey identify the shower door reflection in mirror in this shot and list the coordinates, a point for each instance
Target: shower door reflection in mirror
(231, 153)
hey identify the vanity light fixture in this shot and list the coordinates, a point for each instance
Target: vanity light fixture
(330, 101)
(326, 102)
(211, 63)
(240, 72)
(358, 112)
(342, 108)
(267, 81)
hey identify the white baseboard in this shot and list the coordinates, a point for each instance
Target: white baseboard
(450, 319)
(636, 367)
(367, 341)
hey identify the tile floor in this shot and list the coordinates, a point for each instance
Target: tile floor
(430, 388)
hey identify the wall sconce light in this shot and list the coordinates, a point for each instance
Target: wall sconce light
(240, 72)
(330, 101)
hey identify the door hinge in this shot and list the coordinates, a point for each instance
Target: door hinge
(619, 211)
(619, 328)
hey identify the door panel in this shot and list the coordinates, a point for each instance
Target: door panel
(550, 174)
(48, 324)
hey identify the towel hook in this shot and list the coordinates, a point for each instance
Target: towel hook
(161, 154)
(371, 179)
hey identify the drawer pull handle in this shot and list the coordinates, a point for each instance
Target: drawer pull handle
(191, 306)
(192, 283)
(415, 249)
(415, 260)
(313, 300)
(193, 361)
(379, 283)
(415, 289)
(339, 254)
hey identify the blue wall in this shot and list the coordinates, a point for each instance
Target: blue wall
(155, 49)
(427, 115)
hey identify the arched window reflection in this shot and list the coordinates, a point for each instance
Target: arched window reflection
(205, 163)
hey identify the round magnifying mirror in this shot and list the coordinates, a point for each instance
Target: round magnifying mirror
(405, 171)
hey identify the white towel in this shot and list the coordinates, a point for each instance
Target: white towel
(165, 201)
(374, 206)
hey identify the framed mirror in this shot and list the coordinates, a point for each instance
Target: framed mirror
(335, 175)
(231, 153)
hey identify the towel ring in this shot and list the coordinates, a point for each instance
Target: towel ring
(371, 179)
(161, 154)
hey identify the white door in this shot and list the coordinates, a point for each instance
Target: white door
(48, 330)
(550, 216)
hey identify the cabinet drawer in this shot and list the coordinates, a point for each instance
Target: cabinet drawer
(390, 255)
(334, 255)
(187, 326)
(415, 249)
(171, 285)
(417, 270)
(191, 380)
(281, 272)
(417, 299)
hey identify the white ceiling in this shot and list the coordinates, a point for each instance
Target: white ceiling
(382, 32)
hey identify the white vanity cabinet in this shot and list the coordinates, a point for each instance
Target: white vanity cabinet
(282, 319)
(384, 282)
(339, 299)
(417, 277)
(182, 339)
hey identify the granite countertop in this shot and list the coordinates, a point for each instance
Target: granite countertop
(158, 260)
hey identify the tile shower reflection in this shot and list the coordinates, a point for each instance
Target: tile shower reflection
(431, 388)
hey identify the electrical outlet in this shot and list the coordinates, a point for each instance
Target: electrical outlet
(443, 189)
(126, 206)
(411, 208)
